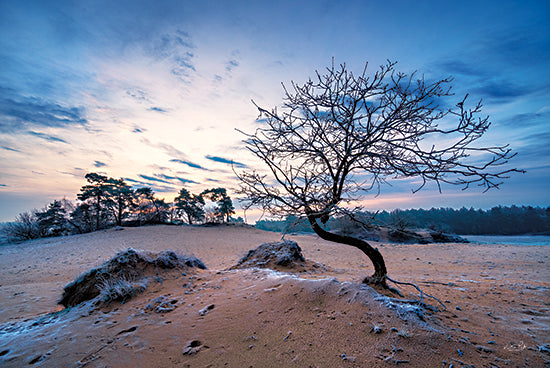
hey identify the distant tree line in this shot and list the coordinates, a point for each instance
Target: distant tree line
(106, 202)
(499, 220)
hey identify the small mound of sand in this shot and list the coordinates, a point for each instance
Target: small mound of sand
(125, 265)
(283, 256)
(284, 253)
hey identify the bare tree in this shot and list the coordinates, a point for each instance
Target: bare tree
(339, 135)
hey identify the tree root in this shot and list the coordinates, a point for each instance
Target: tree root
(380, 281)
(422, 293)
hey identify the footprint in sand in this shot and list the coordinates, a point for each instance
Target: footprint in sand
(193, 347)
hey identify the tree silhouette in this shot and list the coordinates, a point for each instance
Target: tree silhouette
(82, 218)
(340, 135)
(121, 199)
(97, 191)
(52, 221)
(191, 205)
(151, 209)
(224, 208)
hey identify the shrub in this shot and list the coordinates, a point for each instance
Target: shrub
(25, 227)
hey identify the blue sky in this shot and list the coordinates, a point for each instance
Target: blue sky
(153, 91)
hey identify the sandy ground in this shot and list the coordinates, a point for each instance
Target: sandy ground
(497, 302)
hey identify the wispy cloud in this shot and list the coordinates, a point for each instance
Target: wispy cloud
(188, 163)
(164, 189)
(99, 164)
(130, 180)
(455, 67)
(175, 178)
(47, 137)
(176, 47)
(156, 188)
(527, 119)
(230, 65)
(18, 112)
(187, 181)
(138, 94)
(152, 178)
(167, 148)
(10, 149)
(519, 46)
(76, 172)
(501, 91)
(157, 109)
(161, 178)
(226, 161)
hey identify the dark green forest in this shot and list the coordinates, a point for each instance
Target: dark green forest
(499, 220)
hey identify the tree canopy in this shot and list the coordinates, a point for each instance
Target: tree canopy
(224, 208)
(191, 205)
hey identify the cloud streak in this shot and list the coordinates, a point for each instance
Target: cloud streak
(167, 148)
(156, 187)
(152, 178)
(157, 109)
(10, 149)
(47, 137)
(173, 178)
(226, 161)
(188, 163)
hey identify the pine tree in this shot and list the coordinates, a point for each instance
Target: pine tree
(191, 204)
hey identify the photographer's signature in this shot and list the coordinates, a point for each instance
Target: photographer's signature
(516, 347)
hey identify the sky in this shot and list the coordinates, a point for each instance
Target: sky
(155, 91)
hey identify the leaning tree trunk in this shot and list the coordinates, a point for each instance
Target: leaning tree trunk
(380, 272)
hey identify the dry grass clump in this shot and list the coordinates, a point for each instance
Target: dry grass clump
(120, 289)
(123, 276)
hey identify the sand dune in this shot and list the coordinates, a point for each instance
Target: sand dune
(497, 299)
